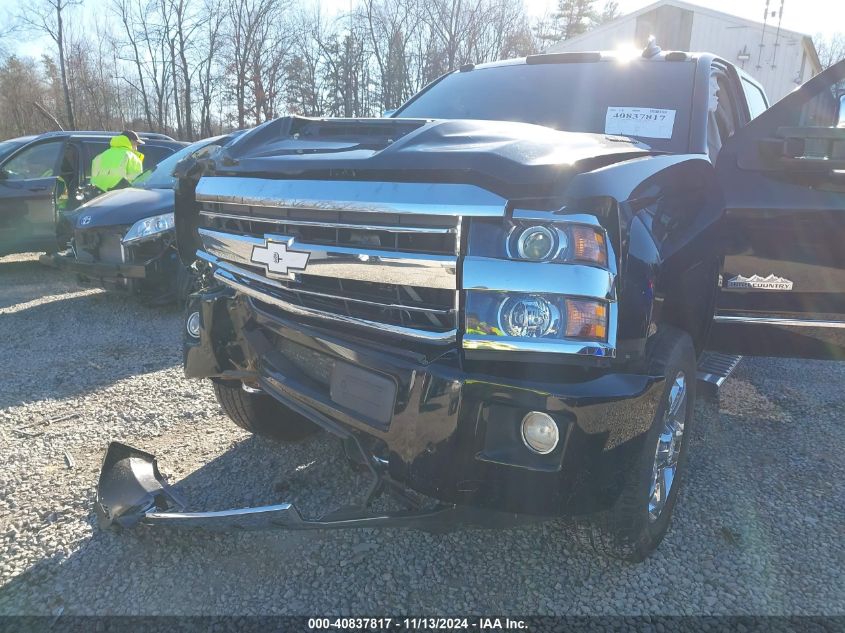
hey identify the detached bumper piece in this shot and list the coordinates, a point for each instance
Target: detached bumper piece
(132, 491)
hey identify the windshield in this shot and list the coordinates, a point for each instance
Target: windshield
(161, 176)
(647, 100)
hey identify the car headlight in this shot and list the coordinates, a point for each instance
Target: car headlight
(561, 242)
(529, 316)
(537, 243)
(149, 227)
(536, 316)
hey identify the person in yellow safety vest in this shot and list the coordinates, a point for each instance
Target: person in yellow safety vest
(120, 164)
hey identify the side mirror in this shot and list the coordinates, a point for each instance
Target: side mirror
(388, 113)
(3, 174)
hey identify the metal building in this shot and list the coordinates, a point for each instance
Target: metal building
(778, 58)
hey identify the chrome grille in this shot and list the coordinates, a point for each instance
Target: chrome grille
(394, 233)
(380, 255)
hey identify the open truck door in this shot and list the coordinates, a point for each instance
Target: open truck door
(782, 235)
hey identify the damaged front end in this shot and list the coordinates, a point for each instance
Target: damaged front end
(132, 491)
(102, 257)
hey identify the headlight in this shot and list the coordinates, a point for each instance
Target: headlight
(149, 227)
(560, 242)
(536, 316)
(536, 242)
(528, 316)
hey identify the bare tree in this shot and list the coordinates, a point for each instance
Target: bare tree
(210, 37)
(48, 16)
(196, 67)
(304, 88)
(249, 22)
(389, 26)
(186, 24)
(572, 18)
(8, 26)
(609, 12)
(122, 9)
(831, 48)
(21, 85)
(153, 38)
(454, 24)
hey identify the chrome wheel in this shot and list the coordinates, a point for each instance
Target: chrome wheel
(668, 447)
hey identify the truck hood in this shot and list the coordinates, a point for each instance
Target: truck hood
(509, 158)
(124, 207)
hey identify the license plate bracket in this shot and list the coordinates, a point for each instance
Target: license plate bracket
(365, 392)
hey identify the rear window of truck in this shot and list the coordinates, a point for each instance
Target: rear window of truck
(574, 97)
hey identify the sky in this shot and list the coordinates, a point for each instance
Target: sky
(805, 16)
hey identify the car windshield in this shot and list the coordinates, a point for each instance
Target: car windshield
(161, 176)
(622, 98)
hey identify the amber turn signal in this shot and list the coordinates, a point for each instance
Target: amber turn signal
(588, 245)
(586, 319)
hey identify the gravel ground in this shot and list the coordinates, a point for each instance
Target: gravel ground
(759, 530)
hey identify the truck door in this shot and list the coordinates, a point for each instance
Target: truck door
(28, 192)
(782, 236)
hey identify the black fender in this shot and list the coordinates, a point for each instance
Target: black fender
(668, 208)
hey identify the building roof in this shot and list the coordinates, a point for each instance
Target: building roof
(607, 26)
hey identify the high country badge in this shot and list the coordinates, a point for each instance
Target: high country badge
(756, 282)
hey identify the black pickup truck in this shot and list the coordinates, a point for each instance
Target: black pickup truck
(497, 296)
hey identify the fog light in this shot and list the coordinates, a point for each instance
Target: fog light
(540, 432)
(193, 324)
(529, 316)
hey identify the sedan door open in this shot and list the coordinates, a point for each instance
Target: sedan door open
(29, 188)
(782, 236)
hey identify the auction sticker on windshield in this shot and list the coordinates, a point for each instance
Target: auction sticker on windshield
(645, 122)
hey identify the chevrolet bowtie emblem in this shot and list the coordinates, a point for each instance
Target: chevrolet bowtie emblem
(278, 259)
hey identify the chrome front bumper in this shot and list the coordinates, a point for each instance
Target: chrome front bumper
(131, 491)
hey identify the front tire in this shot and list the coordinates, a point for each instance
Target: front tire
(633, 528)
(261, 414)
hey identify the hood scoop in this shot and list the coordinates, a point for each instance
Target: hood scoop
(318, 136)
(509, 158)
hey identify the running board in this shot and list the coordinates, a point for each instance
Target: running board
(714, 369)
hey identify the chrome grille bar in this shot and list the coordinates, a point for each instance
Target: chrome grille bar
(248, 288)
(249, 275)
(445, 199)
(340, 262)
(393, 228)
